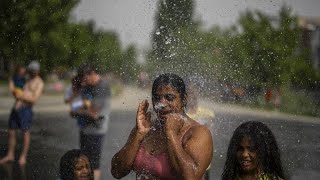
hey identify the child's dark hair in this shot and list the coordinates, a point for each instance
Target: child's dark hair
(86, 68)
(68, 163)
(266, 148)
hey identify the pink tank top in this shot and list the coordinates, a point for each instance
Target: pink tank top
(156, 165)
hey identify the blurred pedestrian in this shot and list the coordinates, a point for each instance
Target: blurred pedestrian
(75, 165)
(166, 146)
(21, 114)
(268, 96)
(73, 96)
(277, 98)
(143, 80)
(95, 115)
(253, 153)
(202, 115)
(73, 91)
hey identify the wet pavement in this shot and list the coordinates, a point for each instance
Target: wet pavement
(54, 132)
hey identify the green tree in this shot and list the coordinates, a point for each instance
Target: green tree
(41, 30)
(30, 30)
(172, 18)
(265, 50)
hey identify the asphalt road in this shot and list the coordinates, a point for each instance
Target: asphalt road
(54, 132)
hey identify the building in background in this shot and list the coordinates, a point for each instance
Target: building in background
(311, 37)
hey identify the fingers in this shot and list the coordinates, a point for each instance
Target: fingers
(149, 116)
(143, 106)
(146, 106)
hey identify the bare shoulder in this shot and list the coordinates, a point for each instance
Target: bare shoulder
(200, 130)
(199, 136)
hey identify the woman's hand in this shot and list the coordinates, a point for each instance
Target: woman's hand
(174, 123)
(143, 123)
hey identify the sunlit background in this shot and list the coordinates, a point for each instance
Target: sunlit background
(250, 59)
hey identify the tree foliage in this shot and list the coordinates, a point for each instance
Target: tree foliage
(259, 50)
(41, 30)
(172, 18)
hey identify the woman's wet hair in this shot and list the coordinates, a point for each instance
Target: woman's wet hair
(265, 146)
(170, 79)
(68, 163)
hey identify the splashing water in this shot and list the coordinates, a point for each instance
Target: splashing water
(184, 118)
(159, 106)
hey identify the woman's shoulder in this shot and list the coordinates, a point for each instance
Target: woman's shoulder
(197, 130)
(200, 129)
(196, 126)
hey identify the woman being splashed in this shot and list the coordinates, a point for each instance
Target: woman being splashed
(253, 154)
(170, 146)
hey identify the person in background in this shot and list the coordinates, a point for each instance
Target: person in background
(18, 80)
(75, 165)
(199, 113)
(73, 96)
(166, 146)
(253, 153)
(95, 115)
(21, 114)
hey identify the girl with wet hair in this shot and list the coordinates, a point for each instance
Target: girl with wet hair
(74, 165)
(169, 146)
(253, 153)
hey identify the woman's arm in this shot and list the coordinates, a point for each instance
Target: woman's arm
(192, 158)
(32, 97)
(123, 160)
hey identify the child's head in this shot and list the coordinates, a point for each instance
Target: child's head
(75, 165)
(20, 71)
(253, 148)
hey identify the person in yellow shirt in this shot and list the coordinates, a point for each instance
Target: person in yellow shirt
(202, 115)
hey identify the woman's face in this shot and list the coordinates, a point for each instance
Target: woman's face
(247, 156)
(167, 100)
(82, 168)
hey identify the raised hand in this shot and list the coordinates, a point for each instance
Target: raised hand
(143, 123)
(174, 122)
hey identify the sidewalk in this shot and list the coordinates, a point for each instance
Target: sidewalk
(132, 96)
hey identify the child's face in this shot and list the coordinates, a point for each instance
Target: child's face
(82, 168)
(247, 156)
(22, 71)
